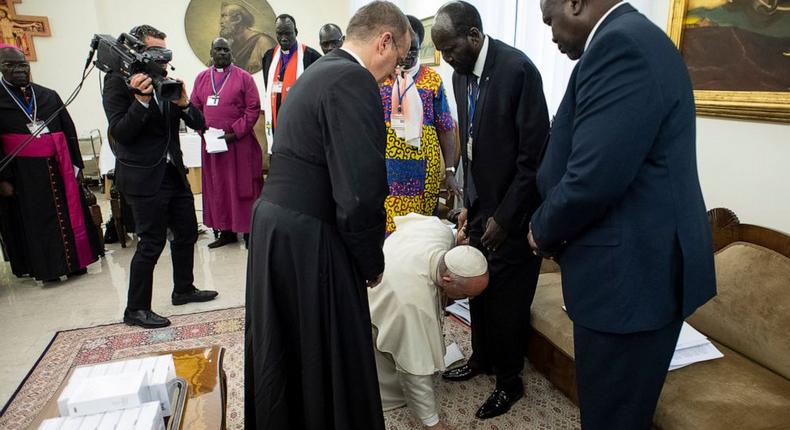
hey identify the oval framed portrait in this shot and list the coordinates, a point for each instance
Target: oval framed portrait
(247, 24)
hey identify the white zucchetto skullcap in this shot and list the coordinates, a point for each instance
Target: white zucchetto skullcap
(466, 261)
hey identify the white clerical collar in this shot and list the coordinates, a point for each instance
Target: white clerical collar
(481, 60)
(598, 24)
(356, 57)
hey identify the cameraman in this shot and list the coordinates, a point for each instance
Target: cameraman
(150, 173)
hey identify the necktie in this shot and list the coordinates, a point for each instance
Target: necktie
(473, 91)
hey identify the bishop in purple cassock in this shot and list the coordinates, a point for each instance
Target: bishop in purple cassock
(232, 177)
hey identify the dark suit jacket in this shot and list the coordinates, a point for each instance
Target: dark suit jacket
(143, 137)
(623, 204)
(310, 57)
(510, 128)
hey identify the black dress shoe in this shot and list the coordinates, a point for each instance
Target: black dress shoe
(76, 273)
(225, 238)
(193, 296)
(498, 403)
(145, 319)
(463, 373)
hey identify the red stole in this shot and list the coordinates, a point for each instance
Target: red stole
(288, 80)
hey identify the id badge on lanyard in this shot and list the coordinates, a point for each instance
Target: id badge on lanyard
(277, 87)
(30, 111)
(35, 125)
(213, 99)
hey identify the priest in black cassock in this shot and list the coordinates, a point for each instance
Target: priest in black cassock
(316, 240)
(44, 219)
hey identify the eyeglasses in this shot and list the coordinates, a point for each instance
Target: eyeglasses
(402, 62)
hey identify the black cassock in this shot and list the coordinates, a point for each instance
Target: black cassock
(317, 235)
(36, 223)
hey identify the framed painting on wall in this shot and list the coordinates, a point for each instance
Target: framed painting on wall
(428, 53)
(738, 56)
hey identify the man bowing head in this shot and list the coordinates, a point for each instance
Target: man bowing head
(316, 239)
(623, 210)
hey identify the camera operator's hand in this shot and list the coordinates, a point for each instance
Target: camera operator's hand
(142, 83)
(183, 101)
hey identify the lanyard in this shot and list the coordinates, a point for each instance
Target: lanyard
(401, 95)
(31, 110)
(223, 81)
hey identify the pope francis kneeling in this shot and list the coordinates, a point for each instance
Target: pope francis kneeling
(406, 310)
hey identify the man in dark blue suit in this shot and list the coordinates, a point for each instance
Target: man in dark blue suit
(623, 211)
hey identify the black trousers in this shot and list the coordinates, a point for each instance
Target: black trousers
(500, 315)
(173, 208)
(620, 376)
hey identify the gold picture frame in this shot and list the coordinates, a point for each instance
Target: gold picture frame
(750, 105)
(428, 53)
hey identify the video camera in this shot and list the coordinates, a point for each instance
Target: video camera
(128, 56)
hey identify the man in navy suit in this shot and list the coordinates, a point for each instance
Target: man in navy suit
(623, 211)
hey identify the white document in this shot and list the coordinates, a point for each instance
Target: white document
(692, 347)
(696, 354)
(452, 355)
(215, 145)
(460, 311)
(690, 337)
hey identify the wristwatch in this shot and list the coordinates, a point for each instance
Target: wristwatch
(450, 169)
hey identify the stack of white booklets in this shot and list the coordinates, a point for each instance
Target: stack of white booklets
(460, 308)
(692, 347)
(131, 394)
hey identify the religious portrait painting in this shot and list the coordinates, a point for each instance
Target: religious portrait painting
(738, 55)
(428, 53)
(18, 30)
(247, 24)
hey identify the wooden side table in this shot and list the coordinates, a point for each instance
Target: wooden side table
(206, 399)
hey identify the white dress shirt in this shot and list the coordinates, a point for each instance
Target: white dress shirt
(481, 60)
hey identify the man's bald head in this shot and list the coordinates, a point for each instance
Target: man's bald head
(14, 66)
(221, 54)
(458, 34)
(330, 37)
(572, 22)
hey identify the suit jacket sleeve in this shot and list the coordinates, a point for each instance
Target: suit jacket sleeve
(192, 117)
(532, 119)
(618, 115)
(127, 117)
(67, 125)
(266, 62)
(355, 140)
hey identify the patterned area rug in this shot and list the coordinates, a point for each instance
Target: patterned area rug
(543, 407)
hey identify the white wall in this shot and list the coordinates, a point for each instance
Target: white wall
(743, 165)
(73, 22)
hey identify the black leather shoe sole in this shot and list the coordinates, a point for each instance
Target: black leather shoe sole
(143, 324)
(199, 296)
(463, 373)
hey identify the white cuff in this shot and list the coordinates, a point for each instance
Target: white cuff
(143, 103)
(431, 421)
